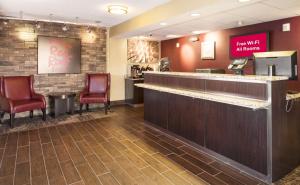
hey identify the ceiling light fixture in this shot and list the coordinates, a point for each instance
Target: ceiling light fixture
(163, 23)
(240, 23)
(117, 9)
(199, 32)
(21, 14)
(195, 14)
(172, 36)
(76, 20)
(51, 16)
(194, 39)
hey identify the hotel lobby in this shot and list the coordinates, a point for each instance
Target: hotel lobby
(154, 92)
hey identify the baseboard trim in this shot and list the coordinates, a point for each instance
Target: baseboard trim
(117, 103)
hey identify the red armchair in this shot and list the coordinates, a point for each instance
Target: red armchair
(97, 89)
(17, 95)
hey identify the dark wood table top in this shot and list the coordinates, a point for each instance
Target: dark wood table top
(62, 95)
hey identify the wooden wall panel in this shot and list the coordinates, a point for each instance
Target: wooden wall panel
(238, 133)
(156, 107)
(187, 118)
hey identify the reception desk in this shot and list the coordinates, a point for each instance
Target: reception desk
(241, 120)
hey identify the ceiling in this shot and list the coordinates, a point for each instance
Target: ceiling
(223, 14)
(87, 11)
(216, 15)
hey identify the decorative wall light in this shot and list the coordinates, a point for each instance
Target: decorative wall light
(37, 25)
(89, 36)
(177, 45)
(194, 39)
(5, 22)
(89, 30)
(117, 9)
(65, 27)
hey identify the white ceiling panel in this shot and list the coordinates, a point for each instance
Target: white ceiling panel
(282, 4)
(221, 14)
(88, 11)
(226, 14)
(261, 12)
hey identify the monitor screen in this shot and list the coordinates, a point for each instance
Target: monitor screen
(284, 62)
(243, 46)
(58, 55)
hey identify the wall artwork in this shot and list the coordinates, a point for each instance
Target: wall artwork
(142, 51)
(58, 55)
(208, 50)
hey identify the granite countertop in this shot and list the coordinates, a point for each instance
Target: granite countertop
(225, 77)
(217, 97)
(292, 96)
(130, 78)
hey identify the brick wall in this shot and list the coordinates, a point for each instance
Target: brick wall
(18, 53)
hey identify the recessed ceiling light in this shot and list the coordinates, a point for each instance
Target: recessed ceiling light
(117, 9)
(163, 23)
(195, 14)
(200, 31)
(243, 1)
(173, 36)
(240, 23)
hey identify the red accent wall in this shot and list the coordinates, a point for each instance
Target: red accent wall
(187, 57)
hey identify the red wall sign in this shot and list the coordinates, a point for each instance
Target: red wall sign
(245, 45)
(58, 55)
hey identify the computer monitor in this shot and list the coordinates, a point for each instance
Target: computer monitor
(164, 64)
(285, 63)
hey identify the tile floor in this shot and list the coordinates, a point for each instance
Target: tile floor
(117, 150)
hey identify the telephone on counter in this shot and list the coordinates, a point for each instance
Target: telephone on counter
(238, 65)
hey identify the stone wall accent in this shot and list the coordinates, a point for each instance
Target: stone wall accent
(18, 53)
(142, 51)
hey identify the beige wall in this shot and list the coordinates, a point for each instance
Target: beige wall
(116, 66)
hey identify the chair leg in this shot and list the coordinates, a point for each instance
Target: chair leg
(105, 107)
(87, 107)
(44, 114)
(2, 114)
(31, 114)
(12, 117)
(108, 104)
(80, 109)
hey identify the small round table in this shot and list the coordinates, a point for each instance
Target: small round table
(61, 103)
